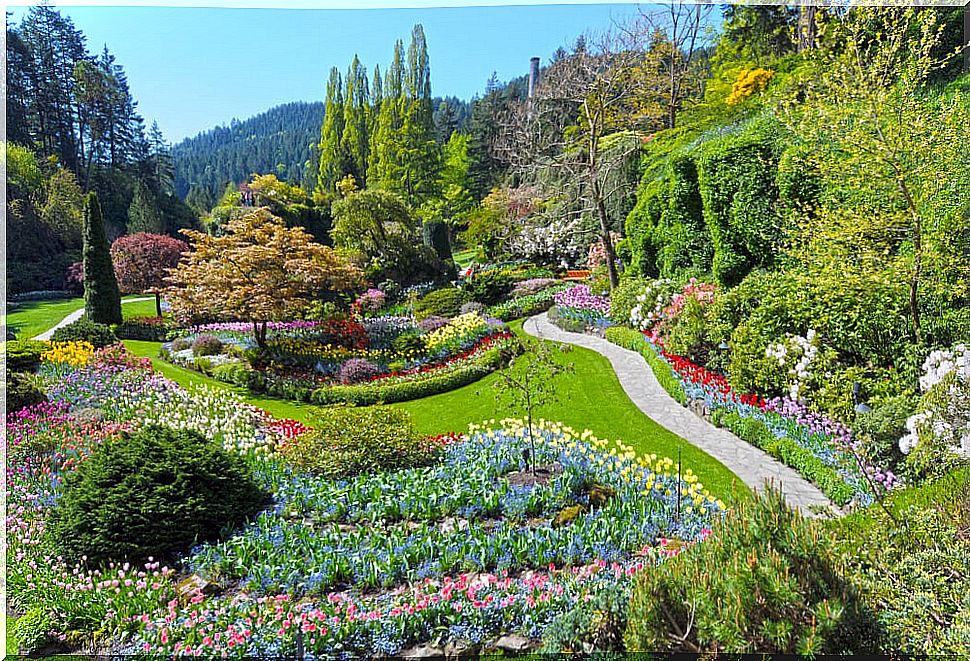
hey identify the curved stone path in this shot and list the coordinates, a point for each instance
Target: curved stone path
(77, 314)
(750, 464)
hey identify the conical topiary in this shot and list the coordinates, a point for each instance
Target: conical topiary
(102, 299)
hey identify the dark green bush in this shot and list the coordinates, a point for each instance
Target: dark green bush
(407, 342)
(442, 303)
(22, 390)
(85, 330)
(153, 492)
(489, 288)
(149, 329)
(880, 430)
(683, 241)
(348, 441)
(641, 224)
(24, 355)
(766, 580)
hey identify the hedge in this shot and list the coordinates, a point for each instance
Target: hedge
(634, 341)
(24, 355)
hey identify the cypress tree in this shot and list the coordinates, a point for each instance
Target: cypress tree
(353, 142)
(144, 214)
(331, 154)
(102, 300)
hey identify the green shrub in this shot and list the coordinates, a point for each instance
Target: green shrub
(687, 335)
(916, 566)
(102, 299)
(152, 492)
(684, 243)
(240, 374)
(634, 341)
(624, 298)
(565, 323)
(85, 330)
(641, 224)
(766, 580)
(442, 303)
(408, 342)
(149, 329)
(348, 441)
(23, 390)
(489, 288)
(24, 355)
(32, 631)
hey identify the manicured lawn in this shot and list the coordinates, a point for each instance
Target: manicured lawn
(591, 398)
(464, 257)
(34, 317)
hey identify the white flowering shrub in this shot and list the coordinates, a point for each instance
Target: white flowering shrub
(798, 354)
(656, 296)
(939, 432)
(541, 239)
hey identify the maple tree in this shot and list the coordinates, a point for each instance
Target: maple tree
(142, 260)
(257, 271)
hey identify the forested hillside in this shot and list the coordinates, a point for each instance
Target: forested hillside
(280, 141)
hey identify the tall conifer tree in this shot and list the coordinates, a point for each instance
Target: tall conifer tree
(354, 141)
(331, 133)
(102, 299)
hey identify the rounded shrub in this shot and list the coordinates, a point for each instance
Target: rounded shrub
(779, 587)
(24, 355)
(348, 441)
(85, 330)
(206, 345)
(409, 342)
(441, 302)
(23, 390)
(358, 370)
(152, 492)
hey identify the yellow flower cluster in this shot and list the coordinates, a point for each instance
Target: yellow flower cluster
(748, 83)
(614, 456)
(69, 353)
(457, 329)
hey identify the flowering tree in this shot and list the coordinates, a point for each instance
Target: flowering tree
(257, 271)
(142, 261)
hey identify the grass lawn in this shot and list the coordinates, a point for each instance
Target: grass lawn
(464, 257)
(34, 317)
(591, 398)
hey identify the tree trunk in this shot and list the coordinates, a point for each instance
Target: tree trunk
(806, 28)
(259, 332)
(158, 303)
(917, 258)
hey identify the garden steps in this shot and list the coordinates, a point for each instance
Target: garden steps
(77, 314)
(753, 466)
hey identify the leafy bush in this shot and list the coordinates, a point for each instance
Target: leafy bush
(357, 370)
(150, 329)
(206, 345)
(766, 580)
(24, 355)
(915, 566)
(489, 287)
(687, 333)
(624, 298)
(181, 344)
(348, 441)
(442, 303)
(634, 341)
(33, 630)
(410, 341)
(152, 492)
(880, 430)
(85, 330)
(23, 390)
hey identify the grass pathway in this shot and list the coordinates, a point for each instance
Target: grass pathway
(590, 398)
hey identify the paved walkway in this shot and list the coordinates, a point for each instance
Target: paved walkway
(77, 314)
(749, 463)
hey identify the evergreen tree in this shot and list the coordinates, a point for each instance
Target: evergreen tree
(162, 166)
(19, 67)
(102, 299)
(384, 168)
(445, 121)
(353, 142)
(420, 154)
(331, 134)
(200, 199)
(144, 214)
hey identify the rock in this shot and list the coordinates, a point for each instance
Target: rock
(423, 651)
(513, 642)
(193, 585)
(567, 515)
(599, 495)
(698, 407)
(461, 649)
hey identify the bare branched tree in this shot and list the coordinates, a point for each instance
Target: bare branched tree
(582, 125)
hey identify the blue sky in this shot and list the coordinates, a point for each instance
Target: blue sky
(191, 68)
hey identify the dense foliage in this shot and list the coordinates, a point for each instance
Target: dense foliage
(102, 299)
(85, 330)
(152, 492)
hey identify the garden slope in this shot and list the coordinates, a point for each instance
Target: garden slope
(752, 465)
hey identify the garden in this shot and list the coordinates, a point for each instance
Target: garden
(332, 420)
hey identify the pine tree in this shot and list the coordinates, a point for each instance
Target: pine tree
(162, 165)
(420, 153)
(331, 132)
(102, 300)
(144, 214)
(19, 67)
(354, 141)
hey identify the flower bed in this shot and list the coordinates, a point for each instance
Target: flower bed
(578, 304)
(381, 359)
(529, 302)
(820, 449)
(457, 551)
